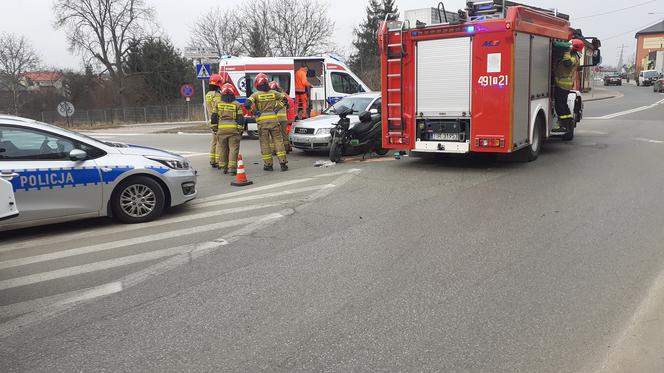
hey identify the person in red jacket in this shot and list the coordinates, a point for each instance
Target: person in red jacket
(302, 87)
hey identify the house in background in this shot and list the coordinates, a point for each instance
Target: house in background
(649, 41)
(44, 81)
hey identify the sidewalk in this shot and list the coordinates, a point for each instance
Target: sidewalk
(600, 93)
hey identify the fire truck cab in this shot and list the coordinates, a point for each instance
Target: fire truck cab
(480, 83)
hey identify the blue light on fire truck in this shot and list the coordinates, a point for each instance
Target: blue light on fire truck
(470, 28)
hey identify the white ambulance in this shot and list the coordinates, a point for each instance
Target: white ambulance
(330, 77)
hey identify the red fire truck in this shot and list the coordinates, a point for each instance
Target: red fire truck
(478, 83)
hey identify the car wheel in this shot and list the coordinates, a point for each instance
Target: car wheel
(137, 199)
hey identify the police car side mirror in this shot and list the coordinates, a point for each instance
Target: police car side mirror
(78, 155)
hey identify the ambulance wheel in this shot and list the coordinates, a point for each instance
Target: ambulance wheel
(533, 150)
(137, 199)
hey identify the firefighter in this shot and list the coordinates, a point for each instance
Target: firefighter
(302, 87)
(284, 116)
(266, 104)
(212, 99)
(229, 132)
(564, 75)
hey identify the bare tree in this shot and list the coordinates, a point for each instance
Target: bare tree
(300, 27)
(105, 30)
(256, 19)
(218, 29)
(16, 58)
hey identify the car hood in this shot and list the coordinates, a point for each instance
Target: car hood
(324, 121)
(130, 149)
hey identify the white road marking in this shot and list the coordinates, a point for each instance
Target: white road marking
(121, 243)
(591, 132)
(60, 299)
(117, 228)
(649, 140)
(265, 195)
(630, 111)
(197, 250)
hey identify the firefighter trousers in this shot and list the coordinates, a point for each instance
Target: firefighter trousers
(265, 132)
(214, 155)
(562, 109)
(284, 135)
(228, 148)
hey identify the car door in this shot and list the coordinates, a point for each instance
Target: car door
(48, 184)
(8, 207)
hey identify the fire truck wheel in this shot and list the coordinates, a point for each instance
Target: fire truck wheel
(533, 150)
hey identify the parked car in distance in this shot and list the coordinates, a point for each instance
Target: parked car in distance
(613, 79)
(59, 175)
(647, 77)
(658, 85)
(314, 133)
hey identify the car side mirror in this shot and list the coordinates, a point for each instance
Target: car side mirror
(78, 155)
(373, 111)
(365, 116)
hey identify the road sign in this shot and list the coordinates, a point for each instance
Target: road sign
(197, 53)
(203, 71)
(66, 109)
(187, 90)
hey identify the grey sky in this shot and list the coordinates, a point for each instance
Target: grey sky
(34, 20)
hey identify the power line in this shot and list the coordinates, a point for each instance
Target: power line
(617, 10)
(632, 30)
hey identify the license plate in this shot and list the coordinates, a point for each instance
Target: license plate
(301, 130)
(445, 136)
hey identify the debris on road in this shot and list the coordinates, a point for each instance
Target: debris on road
(324, 164)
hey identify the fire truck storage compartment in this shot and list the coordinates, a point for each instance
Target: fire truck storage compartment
(521, 85)
(443, 69)
(540, 77)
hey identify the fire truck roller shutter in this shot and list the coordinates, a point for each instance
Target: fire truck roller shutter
(443, 77)
(540, 81)
(521, 86)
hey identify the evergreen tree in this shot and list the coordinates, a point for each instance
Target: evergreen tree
(366, 60)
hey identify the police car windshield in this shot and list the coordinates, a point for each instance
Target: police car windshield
(70, 132)
(358, 104)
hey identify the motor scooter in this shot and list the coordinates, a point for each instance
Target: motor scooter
(362, 138)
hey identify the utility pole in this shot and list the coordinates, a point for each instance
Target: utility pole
(620, 59)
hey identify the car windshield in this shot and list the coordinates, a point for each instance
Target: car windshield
(358, 104)
(70, 132)
(650, 74)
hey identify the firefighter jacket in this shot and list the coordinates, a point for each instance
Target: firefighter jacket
(212, 99)
(231, 117)
(565, 70)
(301, 81)
(267, 105)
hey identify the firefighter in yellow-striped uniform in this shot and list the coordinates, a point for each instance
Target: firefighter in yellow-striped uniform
(282, 117)
(266, 104)
(212, 99)
(229, 130)
(564, 76)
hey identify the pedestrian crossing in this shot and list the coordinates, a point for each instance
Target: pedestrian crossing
(53, 270)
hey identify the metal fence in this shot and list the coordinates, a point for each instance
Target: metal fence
(145, 114)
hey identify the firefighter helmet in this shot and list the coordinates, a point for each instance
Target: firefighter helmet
(577, 45)
(260, 80)
(215, 79)
(227, 88)
(275, 86)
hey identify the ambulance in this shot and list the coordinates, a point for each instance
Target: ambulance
(330, 77)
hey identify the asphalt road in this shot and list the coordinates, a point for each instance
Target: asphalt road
(455, 264)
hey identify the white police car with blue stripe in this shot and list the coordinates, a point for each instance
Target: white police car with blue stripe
(59, 175)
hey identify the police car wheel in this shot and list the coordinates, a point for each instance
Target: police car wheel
(137, 200)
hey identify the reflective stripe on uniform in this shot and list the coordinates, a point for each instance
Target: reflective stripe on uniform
(267, 157)
(233, 126)
(281, 154)
(266, 117)
(565, 116)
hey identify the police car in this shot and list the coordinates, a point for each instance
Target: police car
(59, 175)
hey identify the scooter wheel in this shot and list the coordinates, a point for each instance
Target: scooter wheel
(335, 152)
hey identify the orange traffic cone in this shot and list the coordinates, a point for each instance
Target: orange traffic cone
(240, 177)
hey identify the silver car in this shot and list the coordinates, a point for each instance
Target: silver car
(314, 133)
(59, 175)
